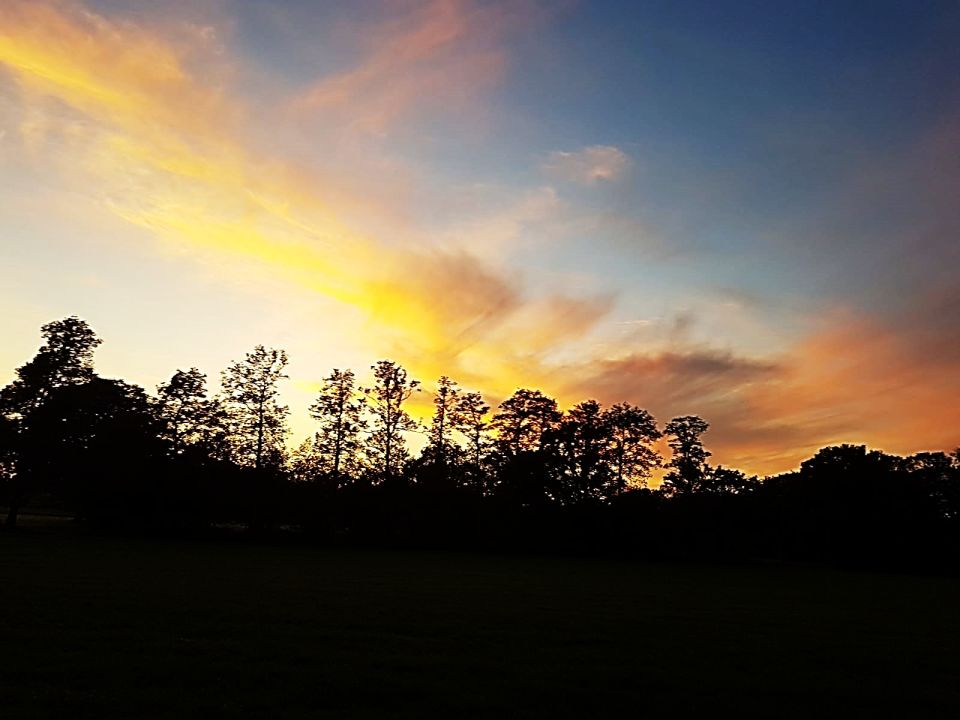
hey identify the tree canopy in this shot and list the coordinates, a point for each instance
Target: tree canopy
(108, 452)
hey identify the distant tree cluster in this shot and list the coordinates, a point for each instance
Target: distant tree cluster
(109, 453)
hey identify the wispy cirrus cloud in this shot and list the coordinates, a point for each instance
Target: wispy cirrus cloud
(116, 109)
(435, 56)
(591, 165)
(151, 122)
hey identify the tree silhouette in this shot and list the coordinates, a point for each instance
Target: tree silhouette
(258, 420)
(444, 422)
(631, 432)
(392, 388)
(65, 358)
(721, 480)
(304, 463)
(338, 410)
(580, 443)
(939, 473)
(8, 457)
(96, 445)
(862, 504)
(471, 413)
(525, 464)
(522, 419)
(188, 418)
(689, 461)
(108, 454)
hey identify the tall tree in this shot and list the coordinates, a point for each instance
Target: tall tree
(338, 409)
(251, 393)
(64, 359)
(525, 461)
(631, 433)
(580, 443)
(392, 388)
(471, 421)
(188, 418)
(522, 420)
(689, 462)
(445, 407)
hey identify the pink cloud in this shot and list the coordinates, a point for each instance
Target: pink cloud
(439, 55)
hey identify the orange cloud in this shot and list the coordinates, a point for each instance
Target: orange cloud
(892, 384)
(130, 118)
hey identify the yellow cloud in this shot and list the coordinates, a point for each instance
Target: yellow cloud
(129, 117)
(121, 113)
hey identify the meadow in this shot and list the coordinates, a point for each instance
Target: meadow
(100, 627)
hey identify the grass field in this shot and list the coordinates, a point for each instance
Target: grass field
(111, 628)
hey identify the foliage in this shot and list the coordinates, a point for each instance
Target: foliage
(189, 420)
(522, 420)
(66, 358)
(445, 419)
(338, 411)
(530, 477)
(689, 462)
(630, 432)
(580, 447)
(471, 414)
(93, 444)
(392, 388)
(258, 421)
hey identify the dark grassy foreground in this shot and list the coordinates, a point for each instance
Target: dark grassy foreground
(111, 628)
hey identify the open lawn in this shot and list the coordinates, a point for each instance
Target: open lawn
(95, 627)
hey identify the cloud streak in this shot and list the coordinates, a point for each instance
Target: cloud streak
(121, 110)
(149, 123)
(437, 56)
(593, 165)
(892, 384)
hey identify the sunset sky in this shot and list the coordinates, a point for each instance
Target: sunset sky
(745, 210)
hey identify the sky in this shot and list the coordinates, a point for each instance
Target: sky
(748, 211)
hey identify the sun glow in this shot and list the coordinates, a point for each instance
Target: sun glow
(200, 148)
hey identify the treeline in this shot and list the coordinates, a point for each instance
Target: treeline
(523, 475)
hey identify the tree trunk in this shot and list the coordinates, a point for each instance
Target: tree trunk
(336, 451)
(14, 510)
(386, 454)
(259, 435)
(620, 454)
